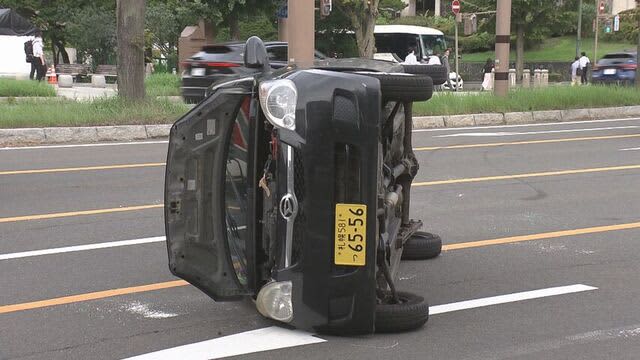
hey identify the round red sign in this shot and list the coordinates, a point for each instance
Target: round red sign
(455, 6)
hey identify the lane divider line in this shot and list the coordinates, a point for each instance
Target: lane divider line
(529, 142)
(509, 298)
(505, 133)
(77, 169)
(275, 337)
(68, 249)
(529, 175)
(46, 147)
(458, 246)
(584, 122)
(78, 213)
(541, 236)
(90, 296)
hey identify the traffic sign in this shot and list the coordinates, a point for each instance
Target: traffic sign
(455, 6)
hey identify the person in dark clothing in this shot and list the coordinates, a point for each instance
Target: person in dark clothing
(32, 73)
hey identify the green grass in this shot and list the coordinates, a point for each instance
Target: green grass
(111, 111)
(24, 88)
(556, 49)
(552, 98)
(163, 85)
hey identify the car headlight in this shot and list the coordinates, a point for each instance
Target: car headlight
(278, 99)
(274, 301)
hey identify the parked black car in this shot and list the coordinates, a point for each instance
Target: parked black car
(222, 61)
(616, 68)
(293, 187)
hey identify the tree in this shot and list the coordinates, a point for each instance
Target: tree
(99, 44)
(130, 20)
(362, 15)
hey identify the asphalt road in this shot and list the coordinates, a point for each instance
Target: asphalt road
(559, 203)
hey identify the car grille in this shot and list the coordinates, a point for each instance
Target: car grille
(301, 219)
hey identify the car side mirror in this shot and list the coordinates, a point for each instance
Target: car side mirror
(255, 54)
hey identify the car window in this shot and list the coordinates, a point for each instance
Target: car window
(398, 44)
(277, 53)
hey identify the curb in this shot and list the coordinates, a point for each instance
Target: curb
(523, 118)
(57, 135)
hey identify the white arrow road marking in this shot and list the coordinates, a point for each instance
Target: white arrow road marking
(273, 338)
(630, 149)
(477, 134)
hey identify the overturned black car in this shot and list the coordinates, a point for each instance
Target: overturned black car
(293, 187)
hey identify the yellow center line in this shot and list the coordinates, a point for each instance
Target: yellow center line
(171, 284)
(78, 213)
(529, 175)
(530, 142)
(90, 296)
(541, 236)
(76, 169)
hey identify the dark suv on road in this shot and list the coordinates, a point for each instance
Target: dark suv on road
(616, 68)
(222, 61)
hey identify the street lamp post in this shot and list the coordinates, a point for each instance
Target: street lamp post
(301, 32)
(579, 34)
(503, 41)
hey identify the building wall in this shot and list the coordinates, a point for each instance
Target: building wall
(622, 5)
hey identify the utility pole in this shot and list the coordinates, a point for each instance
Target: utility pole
(503, 41)
(301, 32)
(579, 35)
(638, 67)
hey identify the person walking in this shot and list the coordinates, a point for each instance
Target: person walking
(487, 83)
(445, 62)
(574, 71)
(584, 68)
(38, 56)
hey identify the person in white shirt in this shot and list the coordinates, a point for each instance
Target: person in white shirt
(574, 71)
(584, 67)
(434, 59)
(38, 56)
(411, 59)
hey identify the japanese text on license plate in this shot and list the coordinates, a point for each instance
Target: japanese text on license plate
(350, 234)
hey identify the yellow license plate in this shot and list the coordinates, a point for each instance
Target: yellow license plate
(351, 234)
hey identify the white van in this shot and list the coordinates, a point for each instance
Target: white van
(398, 39)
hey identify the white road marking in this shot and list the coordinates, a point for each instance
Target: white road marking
(273, 338)
(83, 145)
(527, 125)
(503, 299)
(481, 134)
(630, 149)
(265, 339)
(68, 249)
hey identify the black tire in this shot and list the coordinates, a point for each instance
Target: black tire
(411, 313)
(422, 246)
(438, 73)
(403, 87)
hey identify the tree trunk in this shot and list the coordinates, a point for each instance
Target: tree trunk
(130, 24)
(234, 26)
(519, 52)
(364, 23)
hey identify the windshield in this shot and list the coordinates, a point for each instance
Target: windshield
(434, 44)
(236, 187)
(398, 44)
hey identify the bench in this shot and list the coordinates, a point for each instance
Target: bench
(106, 71)
(75, 70)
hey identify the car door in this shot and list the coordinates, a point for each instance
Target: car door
(207, 186)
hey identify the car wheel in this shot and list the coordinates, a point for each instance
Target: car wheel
(411, 312)
(438, 73)
(422, 246)
(403, 87)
